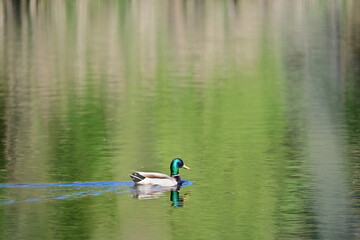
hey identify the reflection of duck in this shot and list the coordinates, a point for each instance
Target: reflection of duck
(151, 178)
(176, 200)
(147, 191)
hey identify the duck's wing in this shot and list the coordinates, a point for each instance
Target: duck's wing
(154, 175)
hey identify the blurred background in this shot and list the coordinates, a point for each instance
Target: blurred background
(260, 98)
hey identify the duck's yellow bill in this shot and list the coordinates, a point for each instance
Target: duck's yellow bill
(186, 167)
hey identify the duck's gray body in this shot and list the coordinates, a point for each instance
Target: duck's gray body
(153, 178)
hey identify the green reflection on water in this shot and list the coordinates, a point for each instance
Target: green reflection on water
(249, 94)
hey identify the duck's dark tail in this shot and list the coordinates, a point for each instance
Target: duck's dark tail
(136, 177)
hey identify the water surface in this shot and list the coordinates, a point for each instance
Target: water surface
(259, 98)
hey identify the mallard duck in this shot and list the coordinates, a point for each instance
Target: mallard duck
(161, 179)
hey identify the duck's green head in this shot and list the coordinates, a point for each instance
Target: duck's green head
(175, 165)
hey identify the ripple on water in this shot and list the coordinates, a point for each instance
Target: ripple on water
(60, 191)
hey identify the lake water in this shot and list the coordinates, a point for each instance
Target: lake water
(260, 98)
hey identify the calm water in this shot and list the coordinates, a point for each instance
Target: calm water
(260, 98)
